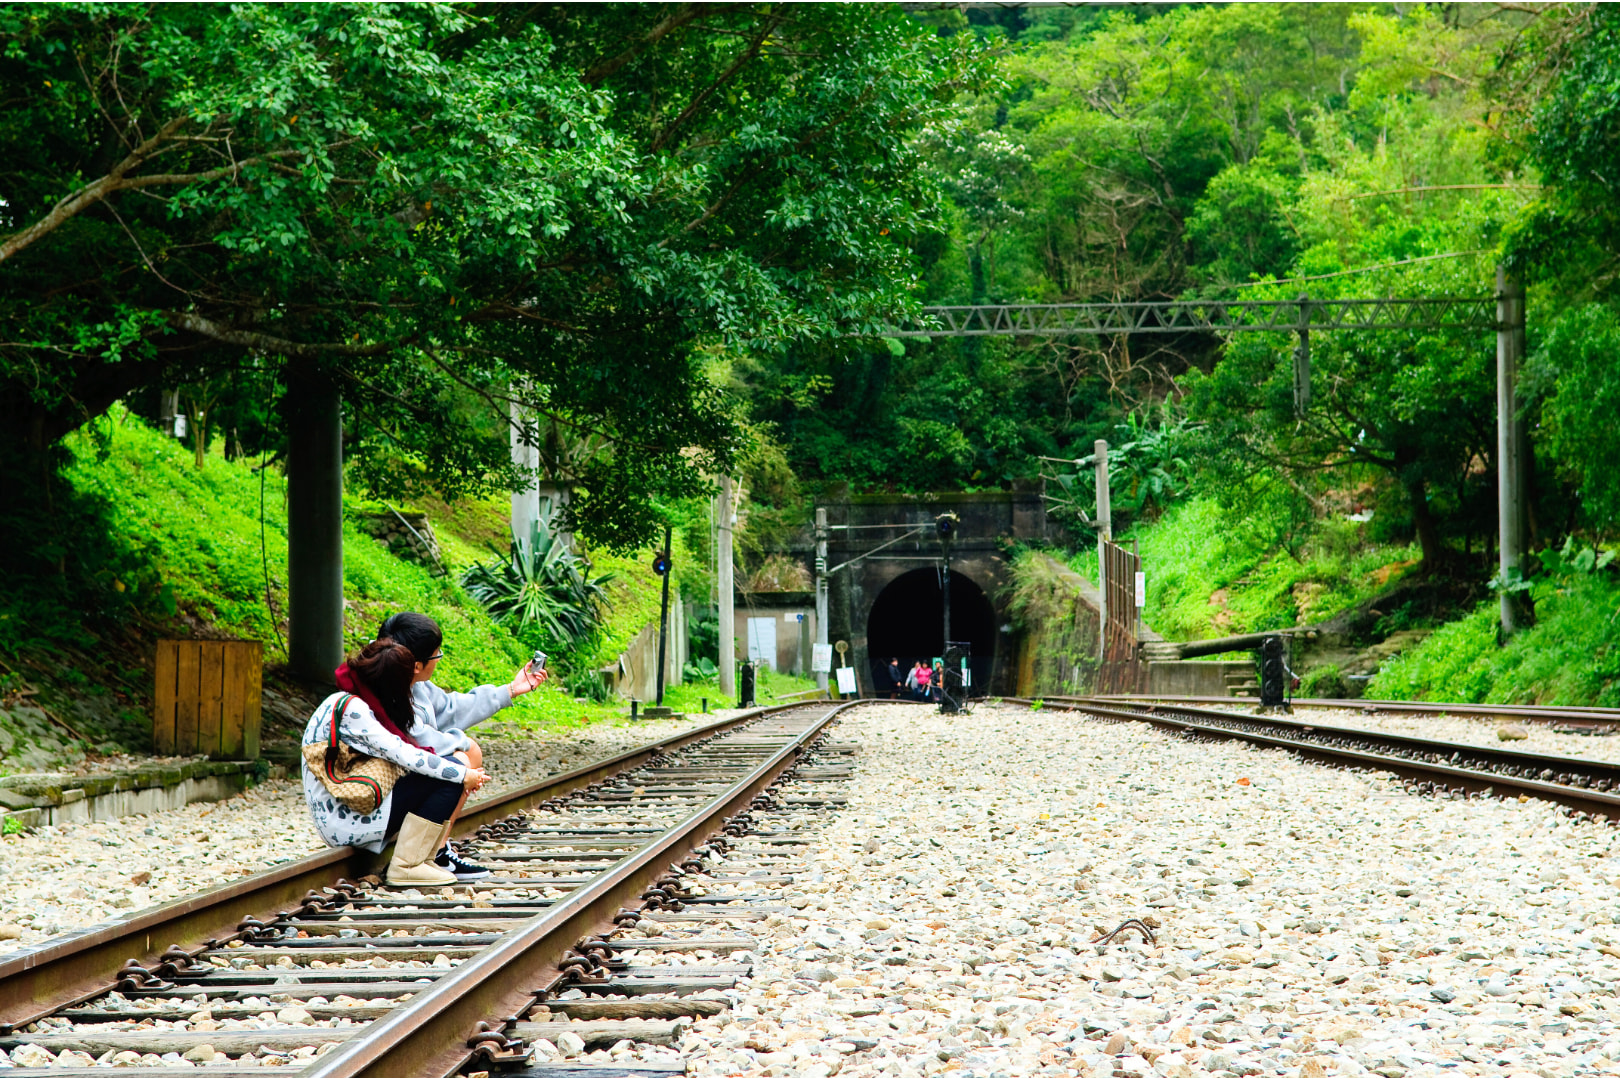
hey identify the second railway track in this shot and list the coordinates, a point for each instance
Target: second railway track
(1584, 785)
(360, 979)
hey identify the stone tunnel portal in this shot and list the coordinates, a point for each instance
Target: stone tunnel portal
(907, 622)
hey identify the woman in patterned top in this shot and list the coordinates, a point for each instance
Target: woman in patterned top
(378, 720)
(443, 716)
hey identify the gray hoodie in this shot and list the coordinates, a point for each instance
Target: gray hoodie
(442, 718)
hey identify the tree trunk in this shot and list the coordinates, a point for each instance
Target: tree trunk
(1428, 530)
(314, 524)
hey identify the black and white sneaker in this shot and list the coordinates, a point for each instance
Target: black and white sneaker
(450, 860)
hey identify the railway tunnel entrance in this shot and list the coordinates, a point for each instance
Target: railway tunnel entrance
(907, 622)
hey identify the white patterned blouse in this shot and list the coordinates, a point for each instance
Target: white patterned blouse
(337, 824)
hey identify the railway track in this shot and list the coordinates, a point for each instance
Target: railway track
(1433, 766)
(1591, 720)
(617, 911)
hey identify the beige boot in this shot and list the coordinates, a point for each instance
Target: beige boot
(412, 863)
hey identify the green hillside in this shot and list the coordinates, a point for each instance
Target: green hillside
(150, 546)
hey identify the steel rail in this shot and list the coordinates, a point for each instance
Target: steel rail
(1308, 740)
(38, 981)
(428, 1035)
(1539, 714)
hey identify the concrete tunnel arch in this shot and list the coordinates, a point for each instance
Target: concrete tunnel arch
(907, 621)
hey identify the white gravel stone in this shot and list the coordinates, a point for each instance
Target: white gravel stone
(29, 1056)
(60, 879)
(1311, 921)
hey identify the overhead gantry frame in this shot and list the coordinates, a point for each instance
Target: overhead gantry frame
(1502, 313)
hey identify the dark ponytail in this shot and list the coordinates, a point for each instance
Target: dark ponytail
(386, 668)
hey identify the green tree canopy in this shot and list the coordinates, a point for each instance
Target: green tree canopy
(440, 208)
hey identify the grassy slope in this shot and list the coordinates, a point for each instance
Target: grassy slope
(200, 530)
(1208, 576)
(1570, 657)
(195, 537)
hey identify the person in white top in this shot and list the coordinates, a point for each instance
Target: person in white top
(372, 714)
(443, 717)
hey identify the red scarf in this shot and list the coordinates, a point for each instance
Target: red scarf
(350, 684)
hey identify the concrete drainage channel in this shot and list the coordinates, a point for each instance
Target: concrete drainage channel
(616, 914)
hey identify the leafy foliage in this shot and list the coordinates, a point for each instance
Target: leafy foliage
(701, 669)
(1575, 369)
(1212, 571)
(1147, 471)
(442, 210)
(1570, 657)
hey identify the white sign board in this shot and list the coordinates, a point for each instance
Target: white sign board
(793, 616)
(821, 657)
(762, 641)
(1141, 589)
(846, 680)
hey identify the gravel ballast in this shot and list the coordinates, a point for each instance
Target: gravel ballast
(1538, 738)
(1310, 921)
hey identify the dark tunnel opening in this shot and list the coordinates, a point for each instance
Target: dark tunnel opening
(907, 623)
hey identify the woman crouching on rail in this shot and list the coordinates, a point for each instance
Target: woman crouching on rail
(378, 719)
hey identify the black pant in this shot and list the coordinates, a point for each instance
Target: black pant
(425, 796)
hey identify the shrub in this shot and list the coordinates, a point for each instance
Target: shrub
(542, 591)
(1326, 681)
(701, 669)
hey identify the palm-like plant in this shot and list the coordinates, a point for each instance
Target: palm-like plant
(542, 589)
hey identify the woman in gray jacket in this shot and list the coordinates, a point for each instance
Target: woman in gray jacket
(373, 714)
(443, 717)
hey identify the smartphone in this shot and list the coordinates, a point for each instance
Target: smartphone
(538, 664)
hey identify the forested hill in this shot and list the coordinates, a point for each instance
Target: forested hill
(664, 244)
(1181, 152)
(1194, 151)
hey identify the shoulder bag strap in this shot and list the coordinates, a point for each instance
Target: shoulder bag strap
(337, 714)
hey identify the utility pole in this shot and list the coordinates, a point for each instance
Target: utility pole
(726, 607)
(821, 588)
(526, 456)
(314, 524)
(1105, 533)
(1510, 443)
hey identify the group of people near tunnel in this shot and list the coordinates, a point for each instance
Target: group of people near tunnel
(921, 682)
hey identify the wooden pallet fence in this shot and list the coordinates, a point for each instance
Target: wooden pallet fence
(206, 698)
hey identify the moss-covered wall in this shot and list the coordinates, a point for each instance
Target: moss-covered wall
(1055, 614)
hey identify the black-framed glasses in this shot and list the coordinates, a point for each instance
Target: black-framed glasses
(436, 656)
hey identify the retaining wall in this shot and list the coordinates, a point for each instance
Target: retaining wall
(55, 799)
